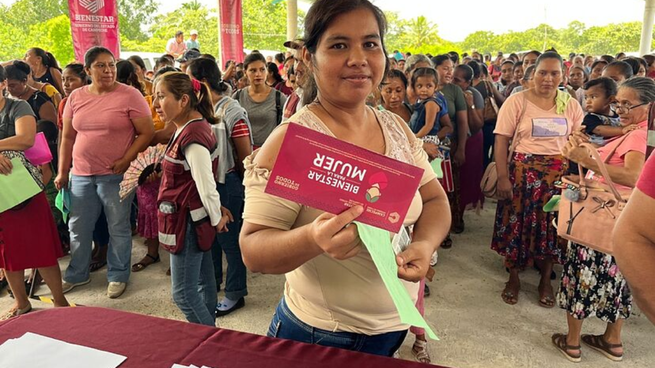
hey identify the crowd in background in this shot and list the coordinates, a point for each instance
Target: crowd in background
(219, 132)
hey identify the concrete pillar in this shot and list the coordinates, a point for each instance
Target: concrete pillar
(292, 19)
(647, 28)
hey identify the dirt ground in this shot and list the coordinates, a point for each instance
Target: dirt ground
(476, 328)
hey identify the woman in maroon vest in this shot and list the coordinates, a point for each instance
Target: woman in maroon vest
(190, 212)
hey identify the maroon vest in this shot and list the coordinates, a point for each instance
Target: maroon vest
(178, 198)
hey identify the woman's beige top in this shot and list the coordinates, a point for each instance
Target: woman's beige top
(346, 296)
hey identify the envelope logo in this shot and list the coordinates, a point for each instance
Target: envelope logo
(378, 182)
(92, 5)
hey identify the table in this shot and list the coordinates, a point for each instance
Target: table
(157, 342)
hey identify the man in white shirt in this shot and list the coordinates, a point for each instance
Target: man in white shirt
(192, 43)
(176, 45)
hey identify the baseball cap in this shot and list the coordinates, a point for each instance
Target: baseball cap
(193, 32)
(294, 44)
(189, 55)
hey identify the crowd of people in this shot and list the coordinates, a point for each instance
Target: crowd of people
(221, 132)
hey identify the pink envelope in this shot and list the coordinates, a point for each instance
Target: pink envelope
(39, 153)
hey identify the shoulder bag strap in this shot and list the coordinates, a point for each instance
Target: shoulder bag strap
(603, 169)
(278, 107)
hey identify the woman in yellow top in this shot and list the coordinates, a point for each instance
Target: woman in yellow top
(334, 295)
(46, 88)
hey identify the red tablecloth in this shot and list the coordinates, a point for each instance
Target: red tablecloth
(156, 342)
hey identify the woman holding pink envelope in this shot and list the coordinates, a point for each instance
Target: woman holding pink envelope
(19, 248)
(334, 295)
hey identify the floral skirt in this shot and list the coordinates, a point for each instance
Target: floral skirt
(523, 232)
(592, 285)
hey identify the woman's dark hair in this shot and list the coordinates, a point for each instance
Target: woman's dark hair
(136, 59)
(47, 58)
(126, 74)
(319, 17)
(608, 58)
(644, 86)
(396, 74)
(440, 59)
(164, 70)
(164, 60)
(531, 52)
(169, 57)
(597, 62)
(528, 72)
(93, 53)
(608, 85)
(620, 54)
(425, 72)
(3, 75)
(279, 57)
(180, 84)
(643, 62)
(238, 75)
(17, 70)
(251, 58)
(205, 70)
(517, 65)
(623, 68)
(549, 55)
(507, 62)
(467, 70)
(275, 72)
(208, 56)
(79, 71)
(475, 66)
(650, 59)
(454, 56)
(634, 64)
(483, 70)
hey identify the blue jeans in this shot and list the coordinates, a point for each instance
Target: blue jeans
(232, 198)
(193, 283)
(285, 325)
(89, 196)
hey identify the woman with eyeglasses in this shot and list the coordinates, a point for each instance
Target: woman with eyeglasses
(106, 124)
(592, 284)
(539, 121)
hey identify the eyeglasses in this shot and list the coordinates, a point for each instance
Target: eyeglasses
(625, 107)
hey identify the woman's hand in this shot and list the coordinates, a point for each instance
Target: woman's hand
(630, 128)
(156, 175)
(333, 235)
(61, 181)
(431, 149)
(120, 166)
(226, 217)
(414, 262)
(573, 151)
(504, 188)
(468, 96)
(5, 165)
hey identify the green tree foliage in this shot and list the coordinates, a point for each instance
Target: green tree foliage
(264, 24)
(132, 14)
(53, 35)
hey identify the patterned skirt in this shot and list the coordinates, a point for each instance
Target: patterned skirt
(523, 232)
(146, 195)
(592, 285)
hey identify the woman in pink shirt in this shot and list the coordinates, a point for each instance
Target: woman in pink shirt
(540, 120)
(592, 284)
(106, 124)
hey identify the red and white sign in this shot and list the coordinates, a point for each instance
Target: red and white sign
(94, 23)
(230, 18)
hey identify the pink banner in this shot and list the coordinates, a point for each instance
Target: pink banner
(230, 12)
(94, 23)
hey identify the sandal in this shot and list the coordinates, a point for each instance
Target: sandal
(598, 343)
(509, 296)
(559, 340)
(97, 264)
(420, 351)
(141, 265)
(15, 312)
(447, 243)
(546, 301)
